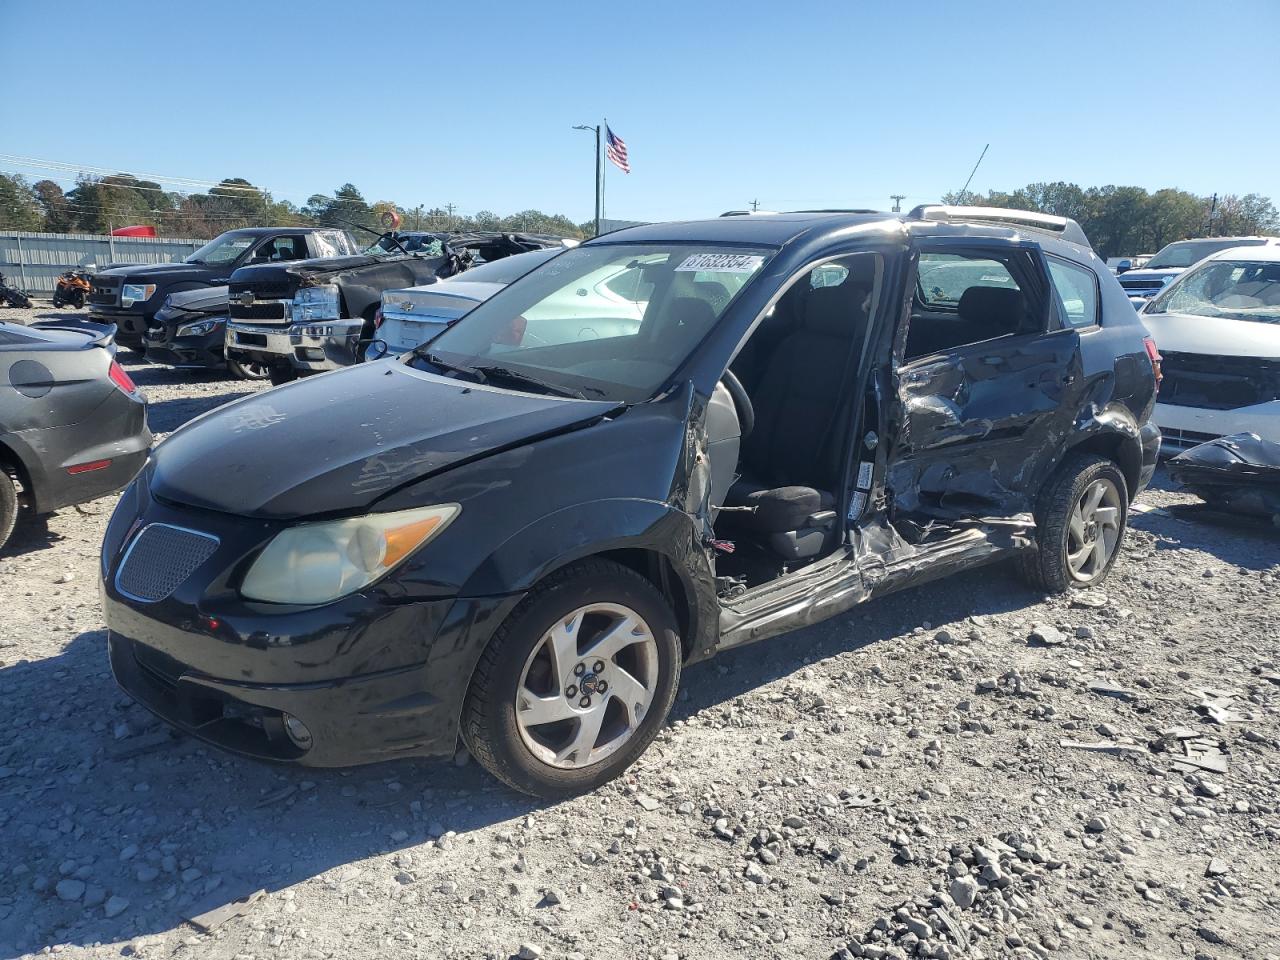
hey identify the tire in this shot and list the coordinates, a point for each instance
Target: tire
(1066, 556)
(251, 371)
(8, 506)
(520, 752)
(282, 375)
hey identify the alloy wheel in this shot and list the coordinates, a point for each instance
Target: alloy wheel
(587, 685)
(1094, 530)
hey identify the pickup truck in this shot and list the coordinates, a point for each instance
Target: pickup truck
(313, 316)
(129, 295)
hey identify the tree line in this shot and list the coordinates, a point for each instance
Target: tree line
(1122, 221)
(101, 204)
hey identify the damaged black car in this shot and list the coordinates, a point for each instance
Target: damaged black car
(517, 535)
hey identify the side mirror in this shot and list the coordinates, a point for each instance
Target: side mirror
(1123, 266)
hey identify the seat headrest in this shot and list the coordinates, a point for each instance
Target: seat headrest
(835, 311)
(997, 310)
(693, 312)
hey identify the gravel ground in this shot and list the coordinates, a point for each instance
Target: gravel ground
(962, 770)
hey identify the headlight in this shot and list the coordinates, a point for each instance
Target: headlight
(318, 562)
(131, 293)
(316, 303)
(198, 329)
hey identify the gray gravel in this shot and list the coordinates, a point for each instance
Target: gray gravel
(963, 770)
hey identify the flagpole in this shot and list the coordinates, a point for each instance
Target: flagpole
(604, 172)
(596, 130)
(599, 181)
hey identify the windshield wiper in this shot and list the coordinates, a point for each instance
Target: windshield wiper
(473, 372)
(515, 376)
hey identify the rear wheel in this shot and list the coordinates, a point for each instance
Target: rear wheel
(8, 506)
(576, 683)
(1080, 526)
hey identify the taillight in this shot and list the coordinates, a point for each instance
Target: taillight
(377, 318)
(1154, 356)
(121, 379)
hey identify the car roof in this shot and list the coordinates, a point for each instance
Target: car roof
(1269, 253)
(780, 229)
(263, 231)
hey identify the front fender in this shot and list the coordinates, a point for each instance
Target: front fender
(601, 527)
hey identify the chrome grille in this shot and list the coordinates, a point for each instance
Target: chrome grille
(160, 559)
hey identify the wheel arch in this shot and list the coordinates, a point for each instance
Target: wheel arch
(1116, 446)
(12, 463)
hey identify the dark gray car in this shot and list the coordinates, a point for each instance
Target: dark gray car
(73, 427)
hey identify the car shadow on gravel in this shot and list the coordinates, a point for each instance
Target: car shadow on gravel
(96, 791)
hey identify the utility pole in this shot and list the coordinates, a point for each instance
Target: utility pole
(596, 129)
(755, 205)
(897, 199)
(450, 208)
(1208, 227)
(417, 217)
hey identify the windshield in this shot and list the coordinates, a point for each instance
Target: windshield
(1235, 289)
(609, 321)
(424, 244)
(1184, 253)
(508, 269)
(224, 249)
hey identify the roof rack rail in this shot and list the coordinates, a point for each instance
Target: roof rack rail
(749, 213)
(840, 210)
(1063, 227)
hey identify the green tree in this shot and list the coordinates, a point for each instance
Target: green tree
(58, 215)
(19, 206)
(347, 206)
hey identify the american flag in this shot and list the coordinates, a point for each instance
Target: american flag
(616, 150)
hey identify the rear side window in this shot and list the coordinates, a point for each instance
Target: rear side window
(970, 297)
(1077, 291)
(944, 277)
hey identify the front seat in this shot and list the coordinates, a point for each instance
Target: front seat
(787, 460)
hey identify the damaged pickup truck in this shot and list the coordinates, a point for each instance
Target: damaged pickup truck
(311, 316)
(517, 534)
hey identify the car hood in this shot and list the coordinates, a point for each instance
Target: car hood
(336, 443)
(1217, 336)
(1149, 274)
(151, 272)
(204, 300)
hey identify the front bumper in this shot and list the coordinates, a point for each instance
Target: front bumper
(192, 352)
(131, 322)
(309, 347)
(375, 675)
(1186, 427)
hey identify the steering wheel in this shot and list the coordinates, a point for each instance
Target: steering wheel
(746, 412)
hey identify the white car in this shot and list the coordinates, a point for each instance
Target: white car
(1143, 283)
(411, 316)
(607, 303)
(1217, 326)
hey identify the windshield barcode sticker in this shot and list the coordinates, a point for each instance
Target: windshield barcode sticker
(722, 263)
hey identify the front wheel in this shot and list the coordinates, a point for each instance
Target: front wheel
(1080, 526)
(249, 370)
(576, 683)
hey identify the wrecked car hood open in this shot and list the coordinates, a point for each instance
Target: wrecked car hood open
(1237, 474)
(324, 446)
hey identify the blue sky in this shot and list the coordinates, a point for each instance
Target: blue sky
(796, 105)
